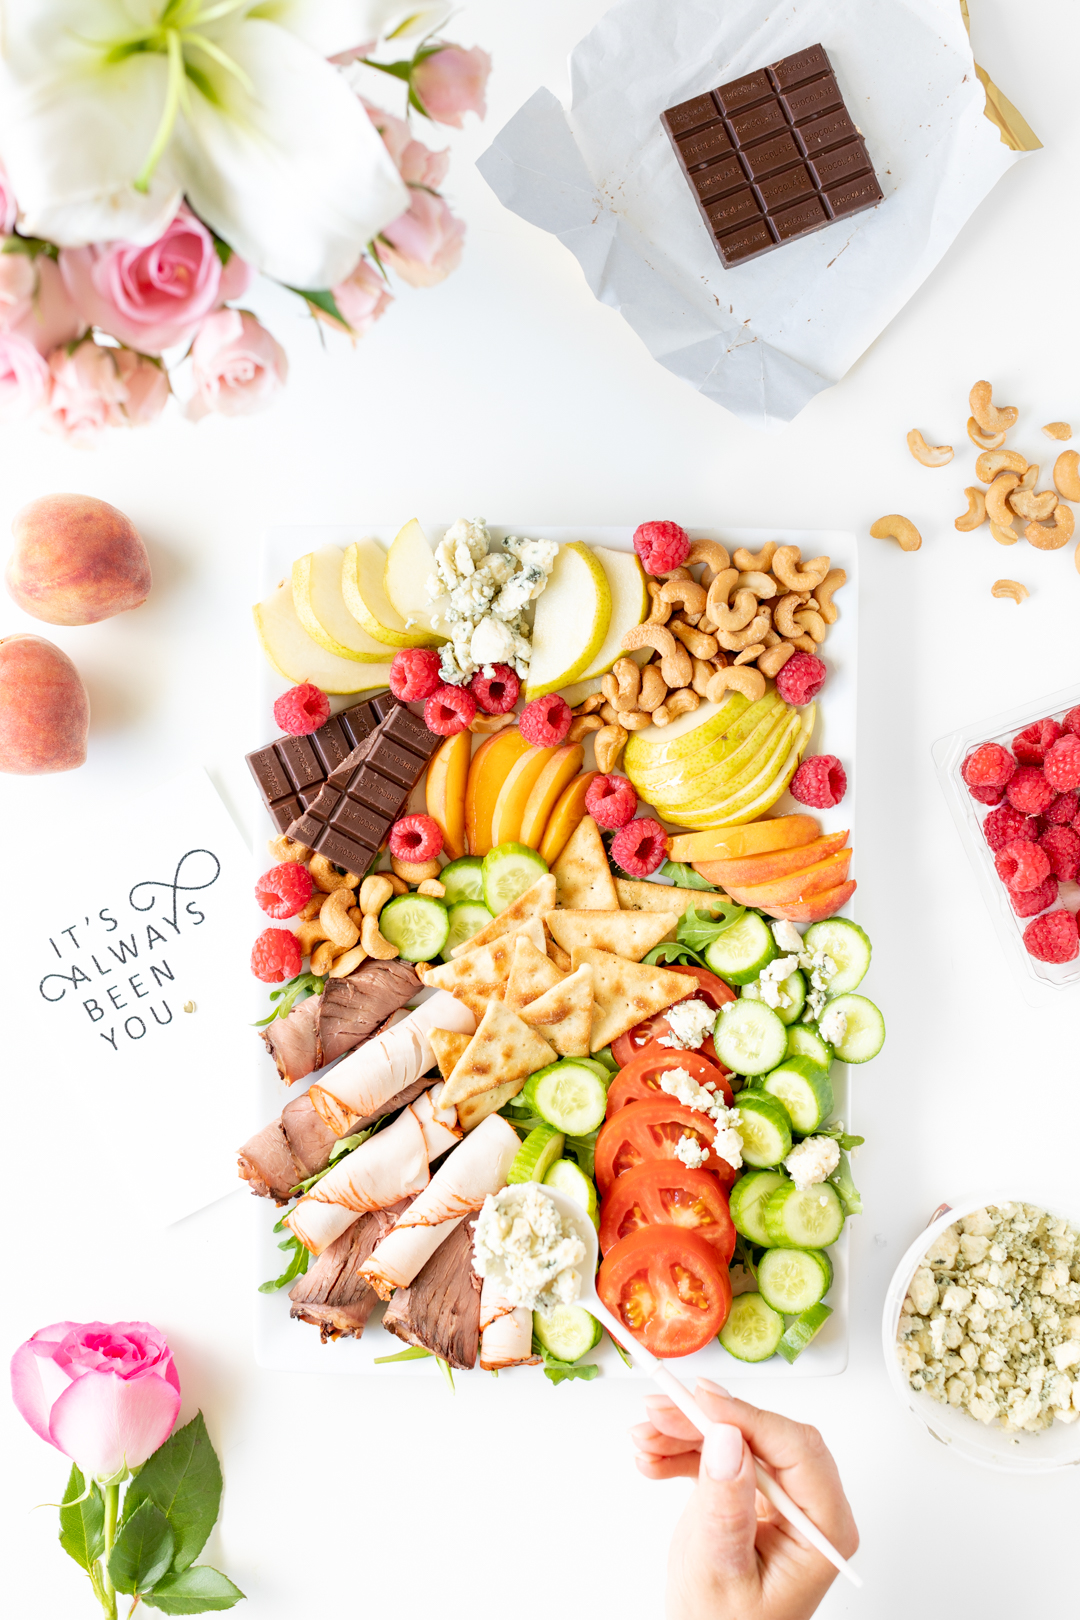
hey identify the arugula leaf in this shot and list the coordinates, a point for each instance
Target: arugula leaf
(295, 1268)
(671, 951)
(744, 1255)
(557, 1372)
(584, 1150)
(698, 930)
(344, 1145)
(182, 1479)
(447, 1372)
(840, 1136)
(623, 1353)
(82, 1521)
(684, 877)
(298, 989)
(415, 1352)
(850, 1197)
(143, 1549)
(193, 1591)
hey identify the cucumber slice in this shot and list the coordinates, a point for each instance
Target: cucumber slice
(865, 1034)
(569, 1095)
(791, 1280)
(765, 1130)
(804, 1040)
(741, 951)
(508, 870)
(605, 1058)
(749, 1037)
(417, 924)
(793, 989)
(802, 1330)
(846, 945)
(467, 917)
(811, 1219)
(568, 1333)
(747, 1202)
(566, 1177)
(753, 1329)
(536, 1155)
(463, 879)
(804, 1089)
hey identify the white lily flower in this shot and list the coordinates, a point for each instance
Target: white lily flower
(112, 110)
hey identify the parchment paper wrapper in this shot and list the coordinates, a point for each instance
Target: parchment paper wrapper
(764, 338)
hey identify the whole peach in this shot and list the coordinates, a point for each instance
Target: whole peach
(76, 560)
(44, 709)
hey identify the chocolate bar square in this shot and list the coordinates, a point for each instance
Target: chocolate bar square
(290, 771)
(716, 179)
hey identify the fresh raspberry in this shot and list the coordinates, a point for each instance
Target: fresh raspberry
(1022, 866)
(276, 956)
(1062, 845)
(415, 674)
(496, 693)
(801, 678)
(1053, 938)
(611, 801)
(545, 721)
(1030, 745)
(284, 890)
(987, 795)
(1061, 766)
(1071, 722)
(449, 710)
(302, 710)
(1033, 900)
(1004, 824)
(1064, 810)
(1029, 791)
(415, 838)
(640, 847)
(989, 766)
(820, 781)
(661, 546)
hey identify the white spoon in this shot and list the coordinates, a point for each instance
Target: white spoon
(676, 1391)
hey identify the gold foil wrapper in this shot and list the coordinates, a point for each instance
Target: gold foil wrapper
(1012, 127)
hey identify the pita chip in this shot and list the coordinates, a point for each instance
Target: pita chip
(537, 899)
(503, 1049)
(479, 976)
(624, 933)
(563, 1015)
(627, 992)
(582, 873)
(560, 957)
(531, 973)
(447, 1045)
(637, 896)
(471, 1110)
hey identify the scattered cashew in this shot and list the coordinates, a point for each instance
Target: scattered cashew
(720, 592)
(335, 920)
(327, 877)
(1031, 477)
(623, 683)
(976, 512)
(348, 962)
(322, 957)
(683, 702)
(755, 562)
(654, 689)
(813, 624)
(590, 705)
(806, 644)
(773, 659)
(712, 554)
(675, 663)
(686, 594)
(1067, 475)
(938, 455)
(823, 595)
(738, 615)
(703, 674)
(697, 643)
(288, 849)
(375, 891)
(985, 441)
(660, 610)
(414, 871)
(991, 418)
(629, 719)
(900, 529)
(1011, 588)
(735, 642)
(681, 572)
(1056, 430)
(997, 498)
(312, 907)
(771, 639)
(763, 586)
(400, 886)
(795, 574)
(1045, 538)
(483, 725)
(1004, 536)
(1026, 504)
(991, 462)
(784, 610)
(374, 943)
(433, 887)
(355, 915)
(309, 935)
(582, 725)
(750, 682)
(749, 655)
(608, 745)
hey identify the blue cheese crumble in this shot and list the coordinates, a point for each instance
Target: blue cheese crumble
(479, 595)
(690, 1022)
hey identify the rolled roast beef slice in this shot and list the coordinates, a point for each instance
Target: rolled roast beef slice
(309, 1137)
(352, 1009)
(331, 1295)
(292, 1041)
(267, 1165)
(440, 1310)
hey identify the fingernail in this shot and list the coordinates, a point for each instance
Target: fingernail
(713, 1389)
(722, 1451)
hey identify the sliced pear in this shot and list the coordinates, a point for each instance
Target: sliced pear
(320, 607)
(410, 563)
(572, 618)
(296, 657)
(366, 599)
(629, 604)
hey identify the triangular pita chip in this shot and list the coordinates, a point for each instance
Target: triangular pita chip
(627, 992)
(533, 903)
(624, 933)
(471, 1110)
(563, 1015)
(560, 957)
(503, 1049)
(479, 976)
(636, 896)
(531, 973)
(447, 1045)
(582, 873)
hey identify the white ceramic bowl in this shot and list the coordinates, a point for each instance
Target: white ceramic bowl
(1055, 1448)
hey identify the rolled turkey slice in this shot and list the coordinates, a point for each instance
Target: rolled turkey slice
(439, 1125)
(477, 1166)
(505, 1331)
(364, 1080)
(389, 1166)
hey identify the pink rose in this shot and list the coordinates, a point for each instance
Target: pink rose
(146, 387)
(51, 319)
(363, 297)
(9, 209)
(86, 393)
(149, 297)
(238, 365)
(18, 283)
(24, 377)
(417, 164)
(425, 244)
(451, 82)
(105, 1394)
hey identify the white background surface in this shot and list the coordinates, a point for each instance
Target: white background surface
(510, 389)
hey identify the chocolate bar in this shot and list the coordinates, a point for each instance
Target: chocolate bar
(772, 156)
(363, 796)
(291, 772)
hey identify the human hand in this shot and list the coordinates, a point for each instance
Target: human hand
(733, 1556)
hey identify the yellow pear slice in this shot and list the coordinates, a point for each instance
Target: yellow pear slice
(366, 599)
(320, 607)
(629, 605)
(410, 563)
(296, 657)
(572, 618)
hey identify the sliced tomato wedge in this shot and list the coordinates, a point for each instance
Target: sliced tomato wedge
(664, 1192)
(710, 989)
(640, 1078)
(716, 991)
(668, 1287)
(653, 1129)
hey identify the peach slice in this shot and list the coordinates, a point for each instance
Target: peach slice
(774, 863)
(447, 777)
(752, 838)
(569, 810)
(559, 770)
(826, 874)
(517, 785)
(817, 907)
(492, 760)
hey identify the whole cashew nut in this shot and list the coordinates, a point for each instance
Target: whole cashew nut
(1067, 475)
(812, 624)
(483, 725)
(773, 659)
(1038, 508)
(288, 849)
(750, 655)
(1057, 430)
(991, 462)
(374, 943)
(785, 609)
(1030, 478)
(750, 682)
(686, 594)
(991, 418)
(678, 669)
(997, 507)
(1004, 536)
(712, 554)
(608, 745)
(806, 644)
(771, 639)
(704, 670)
(674, 659)
(654, 690)
(582, 725)
(976, 512)
(322, 957)
(795, 575)
(413, 871)
(622, 684)
(312, 908)
(738, 615)
(763, 586)
(736, 642)
(335, 920)
(375, 891)
(659, 610)
(309, 935)
(1045, 538)
(898, 528)
(327, 877)
(823, 595)
(938, 455)
(348, 962)
(696, 642)
(985, 441)
(1010, 588)
(683, 702)
(749, 562)
(590, 705)
(628, 719)
(356, 915)
(400, 886)
(720, 592)
(433, 887)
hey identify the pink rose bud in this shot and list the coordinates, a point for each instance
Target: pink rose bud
(238, 366)
(451, 82)
(52, 318)
(105, 1394)
(18, 283)
(417, 164)
(425, 244)
(146, 385)
(363, 297)
(24, 377)
(87, 393)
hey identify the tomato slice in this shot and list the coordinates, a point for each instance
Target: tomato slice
(652, 1129)
(664, 1192)
(640, 1078)
(716, 991)
(668, 1287)
(710, 989)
